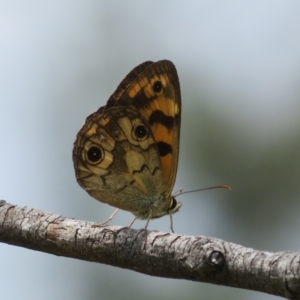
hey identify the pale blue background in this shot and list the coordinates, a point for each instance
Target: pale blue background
(239, 68)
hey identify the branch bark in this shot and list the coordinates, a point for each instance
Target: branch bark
(161, 254)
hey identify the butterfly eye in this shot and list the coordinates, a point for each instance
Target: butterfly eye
(157, 87)
(139, 132)
(94, 154)
(174, 204)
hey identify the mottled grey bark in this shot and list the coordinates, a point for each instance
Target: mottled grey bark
(164, 254)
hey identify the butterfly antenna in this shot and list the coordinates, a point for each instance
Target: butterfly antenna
(179, 193)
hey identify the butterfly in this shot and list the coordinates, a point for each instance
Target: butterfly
(126, 153)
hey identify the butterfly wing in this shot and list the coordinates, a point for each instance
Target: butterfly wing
(126, 154)
(153, 89)
(117, 162)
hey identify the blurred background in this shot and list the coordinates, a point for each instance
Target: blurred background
(239, 69)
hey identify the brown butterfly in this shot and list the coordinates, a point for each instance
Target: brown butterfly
(126, 154)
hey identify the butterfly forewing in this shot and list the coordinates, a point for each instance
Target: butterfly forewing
(153, 89)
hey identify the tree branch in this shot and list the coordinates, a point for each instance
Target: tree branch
(164, 254)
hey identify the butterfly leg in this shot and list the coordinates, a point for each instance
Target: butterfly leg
(132, 222)
(171, 223)
(147, 223)
(146, 226)
(111, 217)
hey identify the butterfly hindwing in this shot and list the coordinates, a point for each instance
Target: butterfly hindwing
(118, 162)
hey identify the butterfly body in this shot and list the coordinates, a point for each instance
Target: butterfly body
(126, 154)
